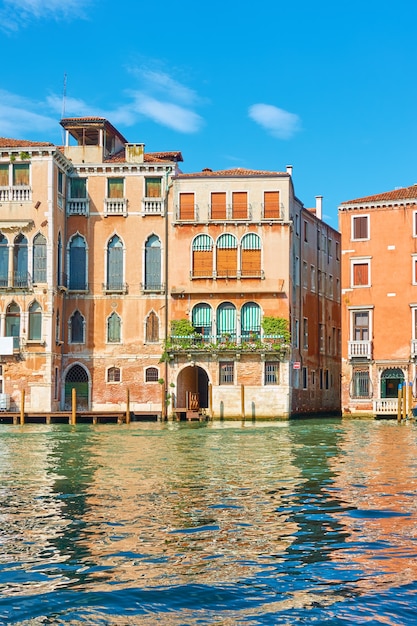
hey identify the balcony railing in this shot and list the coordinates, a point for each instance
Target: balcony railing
(115, 286)
(229, 215)
(153, 206)
(360, 350)
(19, 280)
(191, 216)
(79, 206)
(250, 341)
(385, 406)
(115, 206)
(154, 287)
(18, 193)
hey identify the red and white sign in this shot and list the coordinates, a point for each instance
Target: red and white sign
(296, 365)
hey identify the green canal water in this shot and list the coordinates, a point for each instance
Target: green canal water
(301, 522)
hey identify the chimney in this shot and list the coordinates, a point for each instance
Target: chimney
(134, 152)
(319, 206)
(289, 170)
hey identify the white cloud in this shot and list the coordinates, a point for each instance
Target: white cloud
(168, 114)
(276, 121)
(17, 116)
(16, 14)
(162, 82)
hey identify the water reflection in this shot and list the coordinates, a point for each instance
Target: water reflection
(189, 522)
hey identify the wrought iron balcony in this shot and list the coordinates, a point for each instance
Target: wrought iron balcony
(115, 286)
(153, 287)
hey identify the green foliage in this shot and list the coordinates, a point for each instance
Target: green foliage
(24, 156)
(276, 327)
(182, 328)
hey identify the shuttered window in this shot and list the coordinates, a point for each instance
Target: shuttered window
(271, 205)
(218, 206)
(202, 256)
(4, 261)
(114, 264)
(226, 321)
(21, 174)
(78, 263)
(360, 274)
(153, 188)
(39, 259)
(4, 175)
(226, 256)
(152, 328)
(360, 227)
(35, 322)
(239, 205)
(115, 187)
(250, 319)
(114, 328)
(186, 206)
(201, 319)
(251, 255)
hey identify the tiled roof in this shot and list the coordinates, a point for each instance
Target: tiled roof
(22, 143)
(149, 157)
(403, 193)
(237, 171)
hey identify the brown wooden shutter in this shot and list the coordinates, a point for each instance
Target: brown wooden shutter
(218, 206)
(360, 227)
(251, 262)
(202, 263)
(271, 205)
(186, 206)
(227, 262)
(360, 274)
(239, 205)
(152, 327)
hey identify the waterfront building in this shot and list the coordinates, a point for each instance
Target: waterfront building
(247, 253)
(106, 248)
(379, 300)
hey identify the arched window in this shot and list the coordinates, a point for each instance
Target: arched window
(115, 264)
(78, 263)
(20, 261)
(77, 328)
(250, 321)
(202, 320)
(152, 328)
(151, 375)
(4, 261)
(35, 322)
(391, 379)
(226, 256)
(153, 264)
(13, 322)
(226, 321)
(58, 327)
(114, 325)
(202, 256)
(113, 375)
(39, 259)
(251, 255)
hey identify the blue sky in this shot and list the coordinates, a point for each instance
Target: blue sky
(327, 87)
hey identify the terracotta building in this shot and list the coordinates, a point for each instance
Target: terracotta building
(103, 245)
(379, 300)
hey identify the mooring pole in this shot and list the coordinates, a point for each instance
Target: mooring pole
(210, 399)
(410, 400)
(242, 401)
(73, 406)
(127, 406)
(399, 403)
(404, 401)
(22, 407)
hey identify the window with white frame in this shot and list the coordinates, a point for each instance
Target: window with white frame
(360, 227)
(226, 373)
(360, 272)
(151, 375)
(114, 328)
(271, 373)
(305, 333)
(76, 328)
(312, 278)
(113, 375)
(414, 269)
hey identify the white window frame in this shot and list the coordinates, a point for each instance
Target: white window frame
(360, 261)
(352, 231)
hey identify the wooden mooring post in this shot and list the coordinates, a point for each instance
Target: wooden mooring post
(399, 407)
(127, 406)
(73, 406)
(242, 401)
(22, 407)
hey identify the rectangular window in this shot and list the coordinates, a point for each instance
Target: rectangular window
(305, 333)
(305, 378)
(305, 232)
(186, 206)
(414, 270)
(78, 188)
(337, 251)
(271, 205)
(305, 275)
(297, 271)
(226, 372)
(21, 174)
(4, 175)
(360, 325)
(312, 278)
(239, 205)
(115, 187)
(60, 182)
(296, 334)
(218, 206)
(153, 187)
(360, 227)
(360, 276)
(271, 373)
(321, 337)
(360, 386)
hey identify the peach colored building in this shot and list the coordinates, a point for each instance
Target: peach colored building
(244, 249)
(103, 245)
(379, 300)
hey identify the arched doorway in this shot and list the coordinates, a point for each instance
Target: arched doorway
(77, 378)
(391, 378)
(192, 388)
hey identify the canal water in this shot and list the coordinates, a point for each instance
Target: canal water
(302, 522)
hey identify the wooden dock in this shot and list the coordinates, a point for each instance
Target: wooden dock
(81, 417)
